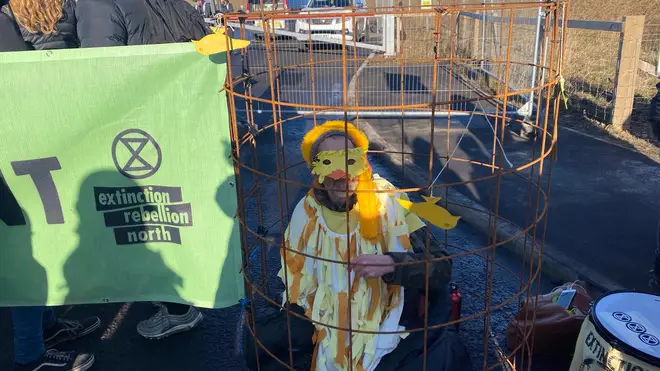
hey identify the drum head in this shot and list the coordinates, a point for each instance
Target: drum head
(632, 318)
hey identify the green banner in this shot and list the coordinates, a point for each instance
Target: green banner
(118, 183)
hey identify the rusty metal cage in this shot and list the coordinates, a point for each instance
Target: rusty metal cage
(458, 100)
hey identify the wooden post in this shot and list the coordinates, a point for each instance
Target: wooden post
(630, 46)
(399, 35)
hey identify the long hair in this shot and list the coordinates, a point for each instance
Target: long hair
(37, 15)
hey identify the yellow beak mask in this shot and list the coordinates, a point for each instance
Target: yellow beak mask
(334, 164)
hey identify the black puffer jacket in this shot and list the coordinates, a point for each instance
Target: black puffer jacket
(10, 39)
(112, 23)
(130, 22)
(64, 37)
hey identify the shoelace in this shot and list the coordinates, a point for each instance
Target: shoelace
(162, 309)
(58, 356)
(160, 314)
(70, 325)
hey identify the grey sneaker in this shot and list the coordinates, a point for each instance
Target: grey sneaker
(163, 324)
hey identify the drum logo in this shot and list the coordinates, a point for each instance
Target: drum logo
(622, 317)
(636, 327)
(648, 339)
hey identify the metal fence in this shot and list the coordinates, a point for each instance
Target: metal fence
(598, 56)
(280, 84)
(403, 46)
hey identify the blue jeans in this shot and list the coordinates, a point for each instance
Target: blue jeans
(29, 325)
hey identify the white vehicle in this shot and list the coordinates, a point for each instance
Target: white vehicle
(257, 6)
(332, 27)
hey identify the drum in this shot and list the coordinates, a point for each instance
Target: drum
(621, 333)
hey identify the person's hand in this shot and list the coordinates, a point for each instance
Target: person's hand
(372, 266)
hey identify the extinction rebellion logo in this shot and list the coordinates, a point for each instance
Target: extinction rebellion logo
(141, 214)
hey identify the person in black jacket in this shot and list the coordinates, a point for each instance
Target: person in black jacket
(132, 22)
(225, 7)
(11, 40)
(46, 24)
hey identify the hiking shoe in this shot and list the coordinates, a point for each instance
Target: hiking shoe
(54, 360)
(67, 330)
(163, 324)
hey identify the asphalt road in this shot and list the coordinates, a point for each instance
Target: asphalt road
(213, 345)
(304, 78)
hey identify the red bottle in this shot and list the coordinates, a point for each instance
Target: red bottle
(456, 300)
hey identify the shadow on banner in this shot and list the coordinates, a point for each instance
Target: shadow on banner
(19, 253)
(226, 200)
(98, 268)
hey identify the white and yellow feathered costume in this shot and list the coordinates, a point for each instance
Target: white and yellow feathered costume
(322, 287)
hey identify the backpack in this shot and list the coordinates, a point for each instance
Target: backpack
(175, 21)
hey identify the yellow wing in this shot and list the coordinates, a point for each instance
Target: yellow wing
(431, 200)
(217, 43)
(431, 212)
(405, 204)
(437, 215)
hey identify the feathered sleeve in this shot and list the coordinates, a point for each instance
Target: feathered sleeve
(299, 280)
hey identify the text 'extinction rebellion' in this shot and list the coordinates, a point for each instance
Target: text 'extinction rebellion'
(144, 214)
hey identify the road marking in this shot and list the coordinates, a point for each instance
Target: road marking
(351, 84)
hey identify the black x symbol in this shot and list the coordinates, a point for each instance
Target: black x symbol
(621, 317)
(136, 140)
(649, 339)
(135, 154)
(636, 327)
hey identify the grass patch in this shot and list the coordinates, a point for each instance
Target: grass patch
(590, 60)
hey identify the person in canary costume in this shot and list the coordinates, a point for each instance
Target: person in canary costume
(345, 219)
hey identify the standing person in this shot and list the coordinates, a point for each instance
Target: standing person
(225, 7)
(26, 25)
(138, 22)
(11, 40)
(103, 23)
(45, 24)
(37, 330)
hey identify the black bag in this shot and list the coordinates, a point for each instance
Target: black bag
(175, 21)
(445, 351)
